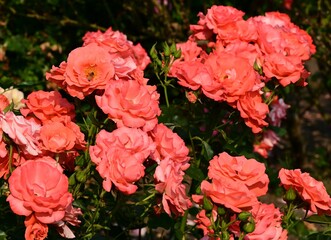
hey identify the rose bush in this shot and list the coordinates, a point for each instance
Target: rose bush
(105, 152)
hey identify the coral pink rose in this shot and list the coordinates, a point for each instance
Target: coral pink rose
(56, 137)
(219, 16)
(310, 190)
(119, 157)
(23, 132)
(169, 176)
(231, 194)
(39, 187)
(286, 69)
(35, 230)
(204, 223)
(253, 110)
(169, 145)
(232, 76)
(239, 169)
(88, 68)
(131, 140)
(130, 104)
(48, 106)
(118, 167)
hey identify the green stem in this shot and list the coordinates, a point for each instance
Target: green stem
(183, 223)
(10, 160)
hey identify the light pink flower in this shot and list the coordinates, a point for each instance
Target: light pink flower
(239, 169)
(39, 187)
(269, 140)
(23, 132)
(130, 104)
(277, 112)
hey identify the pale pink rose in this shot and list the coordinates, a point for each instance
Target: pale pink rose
(253, 110)
(277, 112)
(232, 76)
(169, 145)
(310, 190)
(231, 194)
(35, 230)
(169, 177)
(70, 217)
(130, 104)
(88, 68)
(219, 16)
(56, 137)
(47, 106)
(39, 187)
(239, 169)
(23, 132)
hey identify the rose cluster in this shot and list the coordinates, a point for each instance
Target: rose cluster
(229, 59)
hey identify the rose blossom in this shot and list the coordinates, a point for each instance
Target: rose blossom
(169, 145)
(119, 157)
(233, 77)
(4, 102)
(310, 190)
(253, 110)
(239, 169)
(130, 104)
(23, 132)
(39, 187)
(35, 230)
(169, 176)
(278, 111)
(88, 68)
(269, 140)
(231, 194)
(48, 106)
(56, 137)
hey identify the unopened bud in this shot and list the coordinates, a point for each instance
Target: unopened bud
(221, 211)
(290, 195)
(207, 204)
(244, 216)
(247, 227)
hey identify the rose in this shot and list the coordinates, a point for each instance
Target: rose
(130, 104)
(239, 169)
(278, 111)
(169, 145)
(253, 110)
(14, 96)
(35, 230)
(4, 102)
(310, 190)
(233, 77)
(48, 106)
(231, 194)
(88, 68)
(56, 137)
(25, 133)
(39, 187)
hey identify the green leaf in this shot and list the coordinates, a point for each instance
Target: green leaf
(195, 173)
(321, 219)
